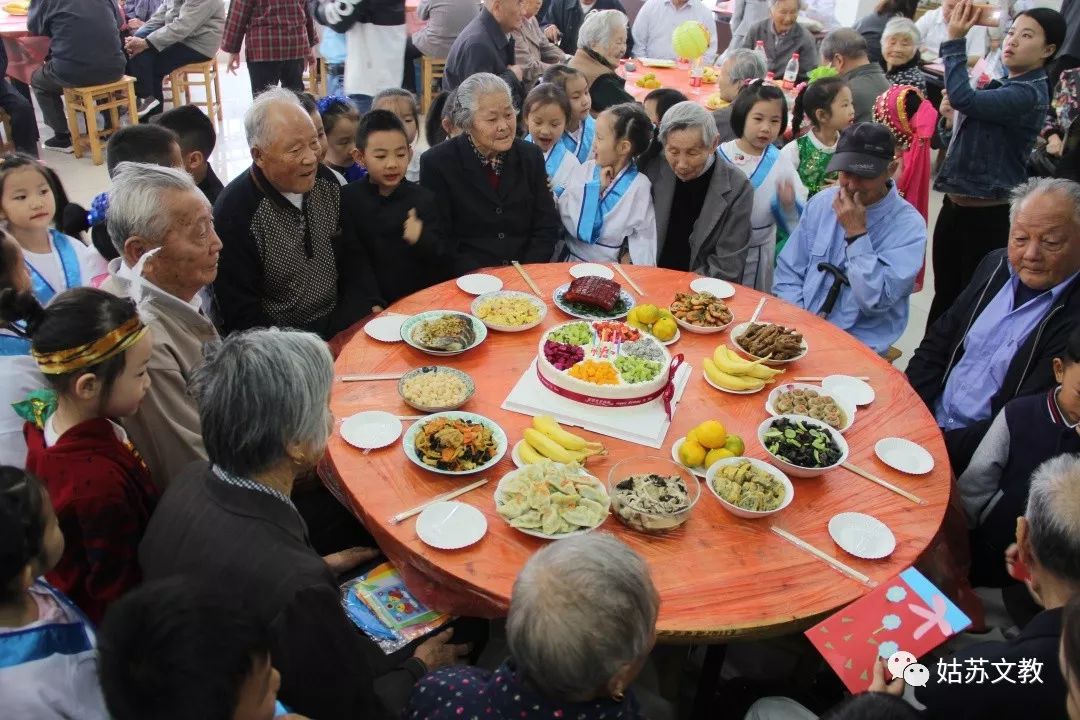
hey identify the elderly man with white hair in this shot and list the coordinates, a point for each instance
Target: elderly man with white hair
(739, 67)
(999, 339)
(782, 36)
(284, 261)
(702, 203)
(486, 46)
(162, 226)
(601, 44)
(657, 20)
(582, 622)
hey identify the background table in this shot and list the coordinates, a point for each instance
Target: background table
(25, 52)
(677, 78)
(719, 576)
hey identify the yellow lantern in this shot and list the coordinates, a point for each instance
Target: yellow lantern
(690, 40)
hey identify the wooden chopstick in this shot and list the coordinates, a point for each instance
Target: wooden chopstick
(883, 483)
(819, 379)
(627, 278)
(849, 571)
(525, 276)
(400, 517)
(366, 378)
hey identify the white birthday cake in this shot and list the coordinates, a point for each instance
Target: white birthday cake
(602, 360)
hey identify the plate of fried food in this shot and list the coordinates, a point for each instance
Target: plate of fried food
(773, 344)
(443, 332)
(454, 443)
(811, 400)
(551, 500)
(748, 487)
(700, 312)
(509, 310)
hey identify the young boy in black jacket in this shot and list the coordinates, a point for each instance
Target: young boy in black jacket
(392, 219)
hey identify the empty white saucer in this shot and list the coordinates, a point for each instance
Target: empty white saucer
(593, 270)
(904, 455)
(479, 283)
(862, 535)
(386, 328)
(855, 390)
(371, 429)
(451, 525)
(714, 286)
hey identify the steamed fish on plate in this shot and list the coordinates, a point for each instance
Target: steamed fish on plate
(452, 332)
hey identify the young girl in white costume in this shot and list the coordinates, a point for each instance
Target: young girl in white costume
(607, 208)
(546, 111)
(580, 131)
(759, 116)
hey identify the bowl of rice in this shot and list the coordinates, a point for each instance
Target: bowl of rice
(435, 388)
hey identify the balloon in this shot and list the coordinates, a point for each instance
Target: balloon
(690, 40)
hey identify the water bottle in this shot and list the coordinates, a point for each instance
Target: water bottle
(791, 72)
(759, 50)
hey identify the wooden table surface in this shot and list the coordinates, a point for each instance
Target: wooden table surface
(720, 577)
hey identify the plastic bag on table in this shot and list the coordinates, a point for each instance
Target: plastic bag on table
(383, 608)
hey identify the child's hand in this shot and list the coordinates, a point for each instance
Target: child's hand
(894, 687)
(786, 192)
(412, 228)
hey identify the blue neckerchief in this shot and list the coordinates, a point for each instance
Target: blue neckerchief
(595, 208)
(69, 263)
(18, 647)
(765, 165)
(583, 150)
(552, 162)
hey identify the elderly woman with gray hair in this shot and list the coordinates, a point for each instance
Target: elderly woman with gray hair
(601, 45)
(581, 625)
(739, 67)
(490, 187)
(230, 523)
(702, 203)
(900, 53)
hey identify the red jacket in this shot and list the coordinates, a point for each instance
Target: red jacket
(103, 497)
(272, 29)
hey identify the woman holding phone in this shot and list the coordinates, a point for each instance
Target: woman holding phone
(994, 130)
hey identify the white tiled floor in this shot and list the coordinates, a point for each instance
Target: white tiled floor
(83, 181)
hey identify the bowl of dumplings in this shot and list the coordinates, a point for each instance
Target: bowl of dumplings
(552, 500)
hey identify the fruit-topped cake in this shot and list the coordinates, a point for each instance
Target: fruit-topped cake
(603, 363)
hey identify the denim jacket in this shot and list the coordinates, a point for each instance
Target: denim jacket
(994, 130)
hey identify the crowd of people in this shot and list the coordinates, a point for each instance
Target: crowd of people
(166, 357)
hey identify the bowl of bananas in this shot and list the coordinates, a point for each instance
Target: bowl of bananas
(728, 372)
(547, 440)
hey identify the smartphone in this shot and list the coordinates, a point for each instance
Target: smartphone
(989, 15)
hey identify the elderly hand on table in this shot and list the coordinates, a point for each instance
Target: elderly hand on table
(135, 45)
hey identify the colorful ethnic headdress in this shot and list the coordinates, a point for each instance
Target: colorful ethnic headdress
(90, 354)
(891, 110)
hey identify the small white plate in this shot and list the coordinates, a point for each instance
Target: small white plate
(593, 269)
(515, 455)
(370, 430)
(852, 388)
(479, 283)
(904, 455)
(714, 286)
(697, 469)
(386, 328)
(733, 392)
(864, 536)
(451, 525)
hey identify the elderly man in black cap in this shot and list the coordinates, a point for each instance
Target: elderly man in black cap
(854, 256)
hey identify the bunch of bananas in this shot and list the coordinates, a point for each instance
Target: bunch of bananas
(709, 76)
(648, 80)
(546, 440)
(728, 370)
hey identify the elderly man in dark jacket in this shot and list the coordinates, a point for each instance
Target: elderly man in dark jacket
(282, 260)
(561, 20)
(998, 339)
(484, 46)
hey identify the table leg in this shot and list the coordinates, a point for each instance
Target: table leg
(709, 682)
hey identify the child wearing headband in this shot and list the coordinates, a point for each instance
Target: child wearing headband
(93, 349)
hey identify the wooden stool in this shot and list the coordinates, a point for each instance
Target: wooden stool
(204, 75)
(7, 145)
(90, 101)
(315, 83)
(431, 69)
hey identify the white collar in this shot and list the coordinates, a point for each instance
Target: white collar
(820, 145)
(123, 271)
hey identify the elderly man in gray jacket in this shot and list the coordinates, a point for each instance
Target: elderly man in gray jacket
(180, 32)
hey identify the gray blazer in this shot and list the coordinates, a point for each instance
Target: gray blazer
(721, 235)
(198, 24)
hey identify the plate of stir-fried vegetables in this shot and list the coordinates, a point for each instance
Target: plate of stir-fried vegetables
(455, 443)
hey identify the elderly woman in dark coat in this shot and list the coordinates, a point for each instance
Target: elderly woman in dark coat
(490, 188)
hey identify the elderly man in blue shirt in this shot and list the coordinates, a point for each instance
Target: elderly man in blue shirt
(999, 338)
(873, 239)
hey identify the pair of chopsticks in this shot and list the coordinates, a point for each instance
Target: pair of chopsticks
(525, 276)
(402, 516)
(627, 278)
(367, 378)
(883, 483)
(822, 555)
(864, 378)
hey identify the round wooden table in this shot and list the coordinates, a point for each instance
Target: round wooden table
(719, 576)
